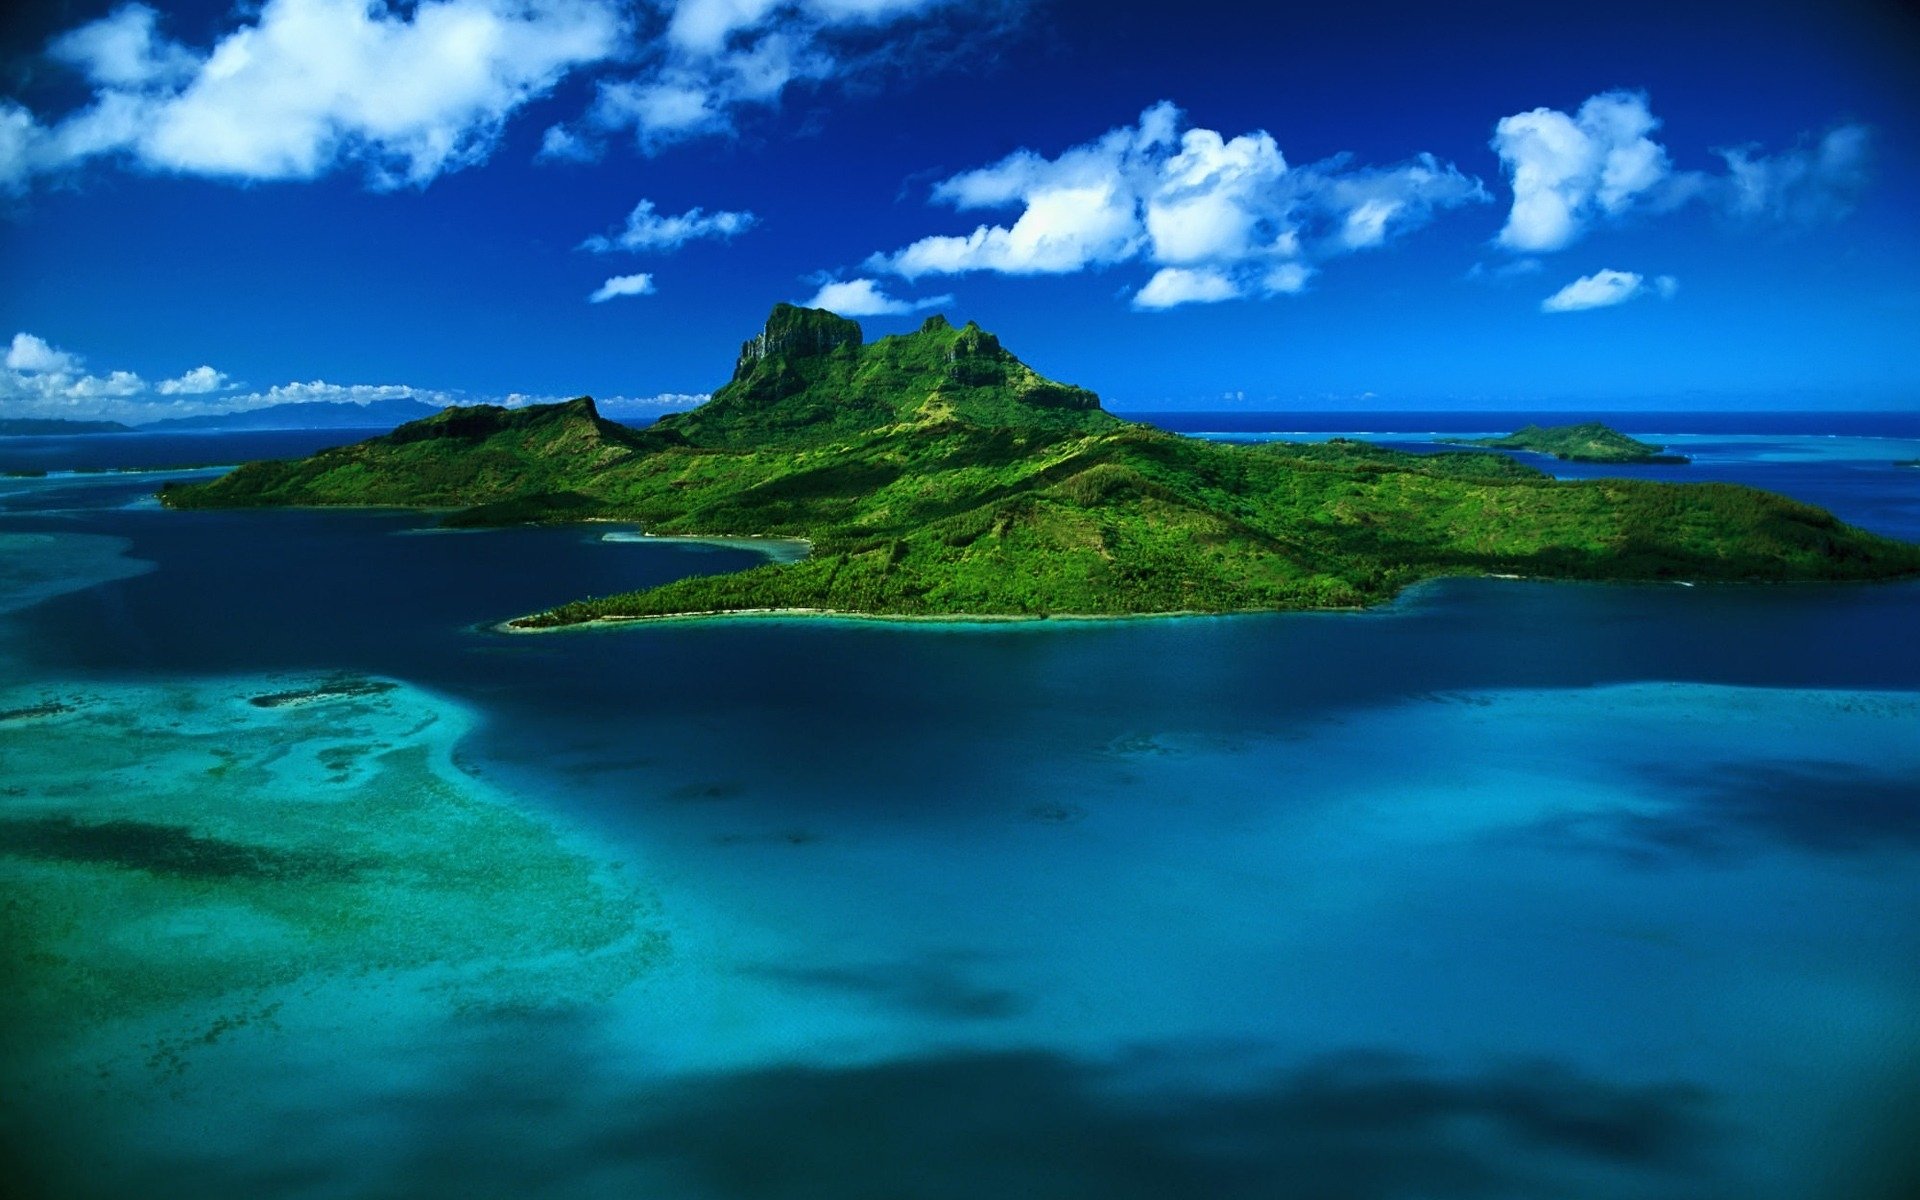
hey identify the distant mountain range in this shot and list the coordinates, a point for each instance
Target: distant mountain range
(41, 426)
(309, 414)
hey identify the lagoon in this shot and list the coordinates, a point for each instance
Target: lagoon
(1507, 889)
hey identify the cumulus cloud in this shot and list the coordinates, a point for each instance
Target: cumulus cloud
(41, 380)
(863, 298)
(1567, 170)
(197, 382)
(1606, 288)
(622, 285)
(1221, 217)
(1571, 171)
(646, 229)
(301, 87)
(34, 355)
(1172, 286)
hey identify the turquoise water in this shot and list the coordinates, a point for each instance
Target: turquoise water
(1511, 889)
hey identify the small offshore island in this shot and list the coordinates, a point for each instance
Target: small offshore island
(937, 475)
(1591, 442)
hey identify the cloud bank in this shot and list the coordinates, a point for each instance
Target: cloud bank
(40, 380)
(1222, 218)
(407, 91)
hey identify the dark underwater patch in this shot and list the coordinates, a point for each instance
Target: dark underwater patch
(1722, 810)
(164, 850)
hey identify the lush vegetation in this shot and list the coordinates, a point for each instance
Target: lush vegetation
(936, 475)
(1592, 442)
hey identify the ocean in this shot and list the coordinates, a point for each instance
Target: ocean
(320, 886)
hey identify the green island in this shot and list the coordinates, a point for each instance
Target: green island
(935, 475)
(1591, 442)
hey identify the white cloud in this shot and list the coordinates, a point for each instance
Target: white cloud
(1512, 269)
(650, 406)
(719, 58)
(124, 49)
(560, 144)
(197, 382)
(1228, 217)
(1567, 170)
(1601, 163)
(1810, 183)
(302, 87)
(646, 229)
(1604, 289)
(20, 137)
(40, 381)
(34, 355)
(408, 90)
(623, 285)
(1287, 279)
(1171, 286)
(1667, 286)
(863, 298)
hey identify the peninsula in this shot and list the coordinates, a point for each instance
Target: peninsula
(935, 474)
(1592, 442)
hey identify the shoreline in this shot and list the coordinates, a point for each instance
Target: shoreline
(777, 549)
(834, 614)
(1385, 606)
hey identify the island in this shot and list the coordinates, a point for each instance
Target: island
(1591, 442)
(935, 475)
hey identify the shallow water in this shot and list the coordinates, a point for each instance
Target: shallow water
(1511, 889)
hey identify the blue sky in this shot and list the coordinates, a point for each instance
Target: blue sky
(1387, 206)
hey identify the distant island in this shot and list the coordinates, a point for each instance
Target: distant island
(305, 414)
(1592, 442)
(56, 426)
(937, 475)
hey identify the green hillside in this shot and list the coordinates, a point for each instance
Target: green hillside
(937, 475)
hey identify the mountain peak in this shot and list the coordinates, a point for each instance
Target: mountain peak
(811, 377)
(795, 332)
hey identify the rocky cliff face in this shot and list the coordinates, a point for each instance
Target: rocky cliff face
(797, 333)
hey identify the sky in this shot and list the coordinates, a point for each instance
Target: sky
(1202, 205)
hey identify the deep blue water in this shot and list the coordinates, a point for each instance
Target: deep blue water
(1889, 423)
(110, 451)
(1510, 889)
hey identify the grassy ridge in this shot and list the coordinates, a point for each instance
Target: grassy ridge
(937, 475)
